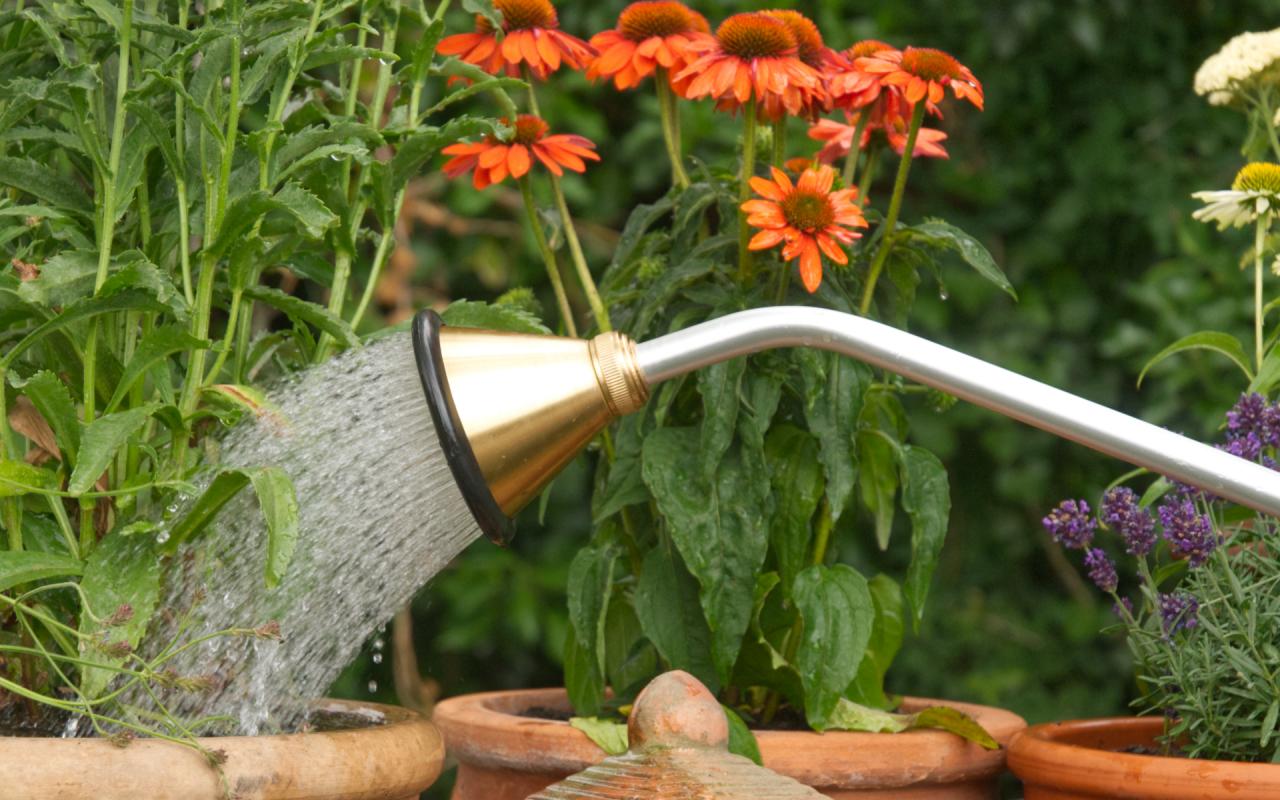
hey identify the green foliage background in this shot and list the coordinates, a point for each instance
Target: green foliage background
(1078, 178)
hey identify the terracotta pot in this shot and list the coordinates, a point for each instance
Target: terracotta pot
(504, 756)
(1080, 760)
(394, 761)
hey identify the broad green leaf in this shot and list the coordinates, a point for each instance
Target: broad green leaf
(19, 567)
(927, 500)
(1222, 343)
(742, 742)
(100, 441)
(760, 663)
(954, 721)
(1268, 375)
(834, 389)
(90, 307)
(45, 184)
(630, 660)
(624, 485)
(838, 612)
(122, 570)
(719, 386)
(718, 525)
(887, 630)
(279, 504)
(18, 478)
(796, 475)
(589, 589)
(492, 316)
(666, 602)
(582, 678)
(301, 310)
(943, 234)
(63, 279)
(878, 465)
(608, 735)
(52, 399)
(156, 346)
(851, 716)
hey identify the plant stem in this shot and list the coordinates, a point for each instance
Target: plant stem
(855, 148)
(669, 112)
(895, 205)
(1259, 242)
(548, 257)
(579, 260)
(746, 265)
(779, 142)
(868, 174)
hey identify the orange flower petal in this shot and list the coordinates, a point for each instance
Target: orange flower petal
(493, 155)
(518, 161)
(810, 267)
(765, 239)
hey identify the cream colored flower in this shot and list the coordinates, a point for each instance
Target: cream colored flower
(1246, 60)
(1254, 192)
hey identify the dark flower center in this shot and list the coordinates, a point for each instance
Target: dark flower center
(519, 15)
(809, 44)
(649, 18)
(755, 35)
(931, 65)
(529, 130)
(808, 211)
(867, 48)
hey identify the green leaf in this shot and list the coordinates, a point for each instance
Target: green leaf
(486, 9)
(838, 612)
(666, 602)
(279, 504)
(719, 385)
(19, 567)
(582, 678)
(719, 526)
(941, 233)
(927, 500)
(100, 441)
(878, 461)
(89, 307)
(156, 346)
(492, 316)
(479, 87)
(306, 208)
(834, 389)
(796, 475)
(417, 149)
(1215, 341)
(123, 570)
(225, 485)
(850, 716)
(887, 631)
(589, 589)
(608, 735)
(135, 272)
(18, 478)
(742, 742)
(52, 399)
(1268, 374)
(301, 310)
(46, 184)
(63, 279)
(954, 721)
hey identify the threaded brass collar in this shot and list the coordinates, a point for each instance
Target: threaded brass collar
(613, 356)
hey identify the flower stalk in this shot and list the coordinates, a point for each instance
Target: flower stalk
(669, 112)
(598, 310)
(1259, 243)
(895, 206)
(548, 256)
(746, 264)
(855, 149)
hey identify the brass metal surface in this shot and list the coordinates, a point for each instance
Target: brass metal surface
(528, 404)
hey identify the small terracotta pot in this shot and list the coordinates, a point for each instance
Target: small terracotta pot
(1080, 760)
(393, 761)
(504, 756)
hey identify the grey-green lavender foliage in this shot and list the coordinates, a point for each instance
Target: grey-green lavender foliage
(179, 184)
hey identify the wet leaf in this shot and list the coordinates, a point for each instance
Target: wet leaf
(887, 630)
(837, 610)
(100, 441)
(45, 184)
(301, 310)
(24, 566)
(941, 233)
(122, 570)
(609, 736)
(927, 500)
(796, 476)
(18, 478)
(834, 389)
(156, 346)
(666, 602)
(52, 399)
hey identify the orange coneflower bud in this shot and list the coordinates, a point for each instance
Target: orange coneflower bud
(807, 216)
(924, 74)
(532, 37)
(494, 160)
(650, 34)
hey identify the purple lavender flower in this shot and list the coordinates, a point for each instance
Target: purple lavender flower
(1178, 611)
(1101, 571)
(1121, 512)
(1248, 447)
(1252, 414)
(1125, 605)
(1070, 524)
(1189, 532)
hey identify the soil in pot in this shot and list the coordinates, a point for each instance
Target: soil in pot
(504, 755)
(1114, 758)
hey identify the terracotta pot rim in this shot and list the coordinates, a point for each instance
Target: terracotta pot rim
(1058, 755)
(486, 730)
(154, 768)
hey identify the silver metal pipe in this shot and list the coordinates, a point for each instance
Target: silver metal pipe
(968, 378)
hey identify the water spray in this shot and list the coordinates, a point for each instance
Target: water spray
(511, 410)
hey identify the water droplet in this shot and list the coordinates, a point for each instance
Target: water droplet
(335, 156)
(226, 83)
(943, 295)
(373, 687)
(162, 537)
(384, 62)
(377, 658)
(244, 53)
(378, 643)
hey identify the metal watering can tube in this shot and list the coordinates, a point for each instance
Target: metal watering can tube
(1008, 393)
(511, 410)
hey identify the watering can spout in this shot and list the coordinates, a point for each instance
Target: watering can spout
(511, 410)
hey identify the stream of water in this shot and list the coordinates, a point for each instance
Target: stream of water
(380, 515)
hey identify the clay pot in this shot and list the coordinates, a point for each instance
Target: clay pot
(393, 761)
(1081, 761)
(504, 756)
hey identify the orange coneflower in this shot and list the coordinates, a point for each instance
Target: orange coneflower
(838, 136)
(811, 219)
(751, 56)
(493, 160)
(851, 86)
(924, 74)
(531, 37)
(650, 34)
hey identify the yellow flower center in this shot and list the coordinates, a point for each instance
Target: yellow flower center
(519, 15)
(649, 18)
(930, 64)
(809, 44)
(808, 211)
(755, 35)
(1259, 176)
(529, 130)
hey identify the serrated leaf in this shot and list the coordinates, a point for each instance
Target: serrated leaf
(489, 316)
(18, 567)
(135, 272)
(943, 234)
(44, 183)
(837, 610)
(122, 570)
(927, 500)
(305, 207)
(156, 346)
(608, 735)
(18, 478)
(718, 385)
(486, 9)
(417, 149)
(582, 678)
(1215, 341)
(63, 279)
(52, 399)
(100, 441)
(301, 310)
